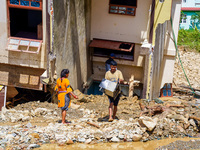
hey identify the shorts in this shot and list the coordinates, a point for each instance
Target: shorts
(67, 102)
(116, 101)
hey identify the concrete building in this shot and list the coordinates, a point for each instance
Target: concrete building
(134, 30)
(189, 8)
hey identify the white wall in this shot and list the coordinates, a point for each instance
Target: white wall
(3, 29)
(170, 51)
(120, 27)
(189, 3)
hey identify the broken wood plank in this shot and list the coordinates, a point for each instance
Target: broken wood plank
(193, 117)
(92, 124)
(131, 86)
(171, 105)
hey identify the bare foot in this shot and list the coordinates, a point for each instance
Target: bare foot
(110, 120)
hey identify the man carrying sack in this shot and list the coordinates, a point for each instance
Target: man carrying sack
(116, 76)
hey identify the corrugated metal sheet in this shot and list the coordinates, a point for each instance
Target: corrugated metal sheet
(114, 45)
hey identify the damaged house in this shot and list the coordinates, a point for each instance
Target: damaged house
(138, 32)
(24, 44)
(85, 32)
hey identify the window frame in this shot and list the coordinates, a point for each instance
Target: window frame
(20, 38)
(184, 19)
(25, 7)
(21, 7)
(28, 46)
(126, 6)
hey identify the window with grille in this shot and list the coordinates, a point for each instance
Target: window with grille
(123, 7)
(184, 18)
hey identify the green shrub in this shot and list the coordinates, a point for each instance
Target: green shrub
(189, 38)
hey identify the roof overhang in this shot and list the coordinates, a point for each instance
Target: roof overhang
(114, 45)
(190, 8)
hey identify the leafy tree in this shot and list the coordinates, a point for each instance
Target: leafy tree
(195, 19)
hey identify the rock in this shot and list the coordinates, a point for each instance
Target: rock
(35, 135)
(115, 131)
(61, 142)
(29, 125)
(159, 133)
(92, 116)
(180, 129)
(137, 137)
(88, 141)
(192, 122)
(121, 137)
(197, 135)
(3, 117)
(3, 110)
(26, 118)
(115, 139)
(31, 146)
(81, 140)
(96, 137)
(186, 125)
(69, 142)
(13, 119)
(60, 136)
(74, 106)
(109, 137)
(40, 111)
(125, 111)
(9, 137)
(131, 119)
(148, 122)
(55, 113)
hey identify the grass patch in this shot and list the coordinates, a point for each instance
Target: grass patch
(189, 38)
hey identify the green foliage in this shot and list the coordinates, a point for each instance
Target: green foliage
(195, 19)
(190, 38)
(182, 16)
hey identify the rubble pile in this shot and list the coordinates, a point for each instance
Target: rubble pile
(191, 64)
(31, 124)
(28, 125)
(192, 144)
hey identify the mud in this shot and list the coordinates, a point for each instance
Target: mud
(150, 145)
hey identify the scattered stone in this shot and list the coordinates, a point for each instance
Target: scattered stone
(121, 137)
(136, 137)
(81, 140)
(74, 106)
(31, 146)
(115, 139)
(88, 141)
(35, 135)
(148, 122)
(29, 125)
(62, 142)
(69, 142)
